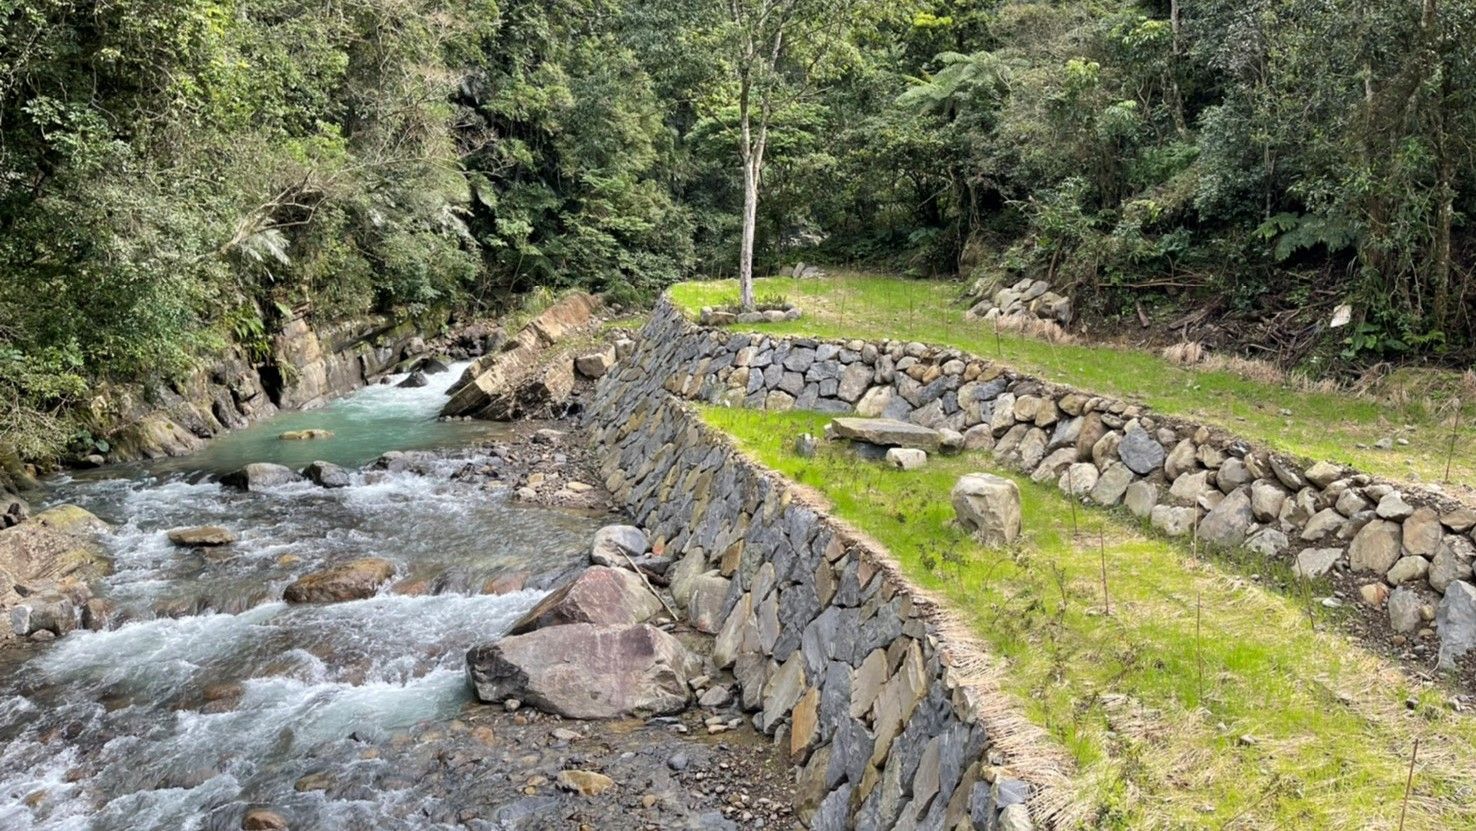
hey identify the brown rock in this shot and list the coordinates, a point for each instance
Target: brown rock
(505, 583)
(585, 782)
(354, 580)
(599, 594)
(203, 536)
(262, 819)
(584, 670)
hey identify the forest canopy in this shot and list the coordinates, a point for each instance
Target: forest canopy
(178, 175)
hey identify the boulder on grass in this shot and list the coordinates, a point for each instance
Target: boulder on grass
(989, 507)
(906, 458)
(354, 580)
(598, 595)
(887, 432)
(585, 670)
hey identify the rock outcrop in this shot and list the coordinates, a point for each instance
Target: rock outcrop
(47, 560)
(528, 376)
(585, 671)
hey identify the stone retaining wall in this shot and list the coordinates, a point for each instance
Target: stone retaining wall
(1406, 550)
(890, 721)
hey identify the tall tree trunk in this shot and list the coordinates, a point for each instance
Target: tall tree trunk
(750, 224)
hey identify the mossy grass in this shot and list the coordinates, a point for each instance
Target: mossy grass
(1205, 699)
(1321, 425)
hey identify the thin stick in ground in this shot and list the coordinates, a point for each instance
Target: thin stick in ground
(1455, 430)
(1408, 783)
(1102, 550)
(1199, 652)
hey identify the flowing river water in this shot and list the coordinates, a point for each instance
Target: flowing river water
(211, 693)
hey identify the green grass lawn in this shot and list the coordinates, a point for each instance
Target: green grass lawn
(1320, 425)
(1203, 700)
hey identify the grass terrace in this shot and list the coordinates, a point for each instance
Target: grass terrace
(1319, 425)
(1210, 696)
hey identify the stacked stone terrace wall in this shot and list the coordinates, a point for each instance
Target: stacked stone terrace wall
(1407, 551)
(891, 721)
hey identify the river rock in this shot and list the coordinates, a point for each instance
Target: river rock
(613, 542)
(585, 670)
(306, 435)
(203, 536)
(263, 819)
(989, 507)
(599, 594)
(327, 475)
(887, 432)
(585, 782)
(49, 611)
(354, 580)
(259, 476)
(1455, 621)
(58, 545)
(414, 379)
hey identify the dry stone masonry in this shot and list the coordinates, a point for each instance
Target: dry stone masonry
(1183, 478)
(834, 653)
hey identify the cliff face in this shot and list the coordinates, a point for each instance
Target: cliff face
(308, 365)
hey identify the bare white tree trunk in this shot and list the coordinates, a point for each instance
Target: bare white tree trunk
(750, 225)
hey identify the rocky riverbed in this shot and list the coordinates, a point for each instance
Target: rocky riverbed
(204, 699)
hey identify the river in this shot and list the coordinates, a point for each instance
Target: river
(211, 693)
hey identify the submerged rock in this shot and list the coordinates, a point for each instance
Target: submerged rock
(306, 435)
(259, 475)
(585, 670)
(354, 580)
(598, 595)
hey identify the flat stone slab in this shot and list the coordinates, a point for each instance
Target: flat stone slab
(887, 432)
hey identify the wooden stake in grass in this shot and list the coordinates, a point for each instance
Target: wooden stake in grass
(1455, 429)
(1071, 497)
(998, 349)
(1102, 550)
(1408, 783)
(1198, 652)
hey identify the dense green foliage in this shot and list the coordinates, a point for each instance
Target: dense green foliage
(174, 175)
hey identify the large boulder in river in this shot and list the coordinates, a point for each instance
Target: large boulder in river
(259, 475)
(988, 506)
(598, 595)
(586, 671)
(57, 547)
(327, 475)
(354, 580)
